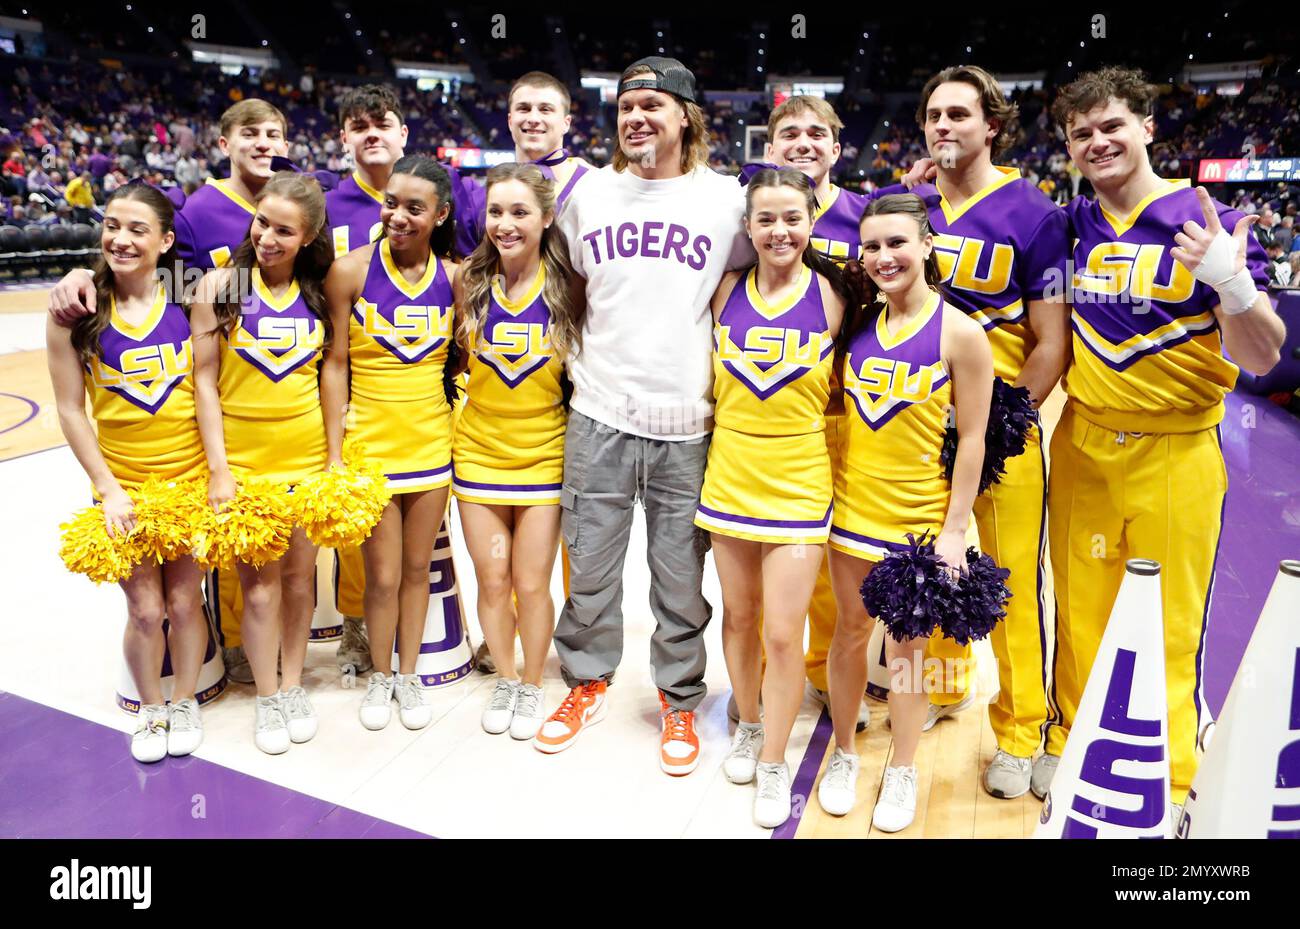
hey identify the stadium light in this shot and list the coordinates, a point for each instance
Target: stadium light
(762, 35)
(151, 28)
(762, 52)
(454, 24)
(358, 32)
(347, 15)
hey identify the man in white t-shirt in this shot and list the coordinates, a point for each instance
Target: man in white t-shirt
(652, 236)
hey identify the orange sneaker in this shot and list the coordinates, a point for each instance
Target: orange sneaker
(585, 705)
(679, 746)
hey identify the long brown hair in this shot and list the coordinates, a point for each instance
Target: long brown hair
(87, 330)
(891, 204)
(309, 266)
(484, 264)
(841, 282)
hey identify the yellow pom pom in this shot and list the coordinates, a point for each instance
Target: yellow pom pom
(340, 507)
(88, 549)
(165, 512)
(253, 527)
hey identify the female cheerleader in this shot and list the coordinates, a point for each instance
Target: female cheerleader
(134, 357)
(394, 300)
(767, 489)
(520, 316)
(907, 366)
(261, 323)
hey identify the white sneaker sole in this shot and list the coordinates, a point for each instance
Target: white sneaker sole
(179, 747)
(678, 770)
(375, 724)
(528, 730)
(597, 715)
(742, 778)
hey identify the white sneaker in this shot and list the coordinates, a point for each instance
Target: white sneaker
(529, 713)
(412, 701)
(298, 714)
(937, 713)
(501, 706)
(772, 799)
(377, 707)
(271, 731)
(896, 807)
(743, 757)
(838, 791)
(184, 727)
(149, 741)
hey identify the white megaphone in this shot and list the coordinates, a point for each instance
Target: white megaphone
(326, 621)
(877, 667)
(1113, 777)
(1248, 783)
(212, 675)
(445, 655)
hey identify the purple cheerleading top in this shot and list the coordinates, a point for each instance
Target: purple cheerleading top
(1148, 356)
(353, 210)
(1003, 248)
(213, 223)
(144, 364)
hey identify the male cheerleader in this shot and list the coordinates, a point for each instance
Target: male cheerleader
(538, 116)
(211, 224)
(1001, 244)
(652, 236)
(1161, 289)
(372, 131)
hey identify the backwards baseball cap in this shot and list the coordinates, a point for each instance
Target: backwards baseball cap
(670, 76)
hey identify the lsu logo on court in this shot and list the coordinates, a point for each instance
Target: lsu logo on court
(147, 364)
(959, 260)
(770, 344)
(1128, 269)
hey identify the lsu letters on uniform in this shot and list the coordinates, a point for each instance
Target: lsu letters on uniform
(398, 340)
(1003, 248)
(1137, 468)
(509, 445)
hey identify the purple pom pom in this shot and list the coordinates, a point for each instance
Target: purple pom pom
(1011, 416)
(981, 600)
(910, 591)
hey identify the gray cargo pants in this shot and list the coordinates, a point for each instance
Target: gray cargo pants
(605, 471)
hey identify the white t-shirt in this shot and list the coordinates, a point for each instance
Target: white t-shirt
(653, 252)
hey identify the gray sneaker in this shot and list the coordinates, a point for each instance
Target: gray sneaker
(483, 659)
(1044, 770)
(1007, 775)
(742, 760)
(529, 713)
(236, 663)
(184, 727)
(824, 697)
(270, 731)
(377, 706)
(354, 649)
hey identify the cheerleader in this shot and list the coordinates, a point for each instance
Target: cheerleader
(520, 316)
(912, 362)
(767, 488)
(133, 357)
(394, 300)
(261, 324)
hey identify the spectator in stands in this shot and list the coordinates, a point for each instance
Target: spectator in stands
(36, 176)
(81, 196)
(17, 217)
(1279, 268)
(1284, 232)
(1264, 228)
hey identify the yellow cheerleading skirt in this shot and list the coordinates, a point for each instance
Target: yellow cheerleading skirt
(509, 460)
(280, 450)
(873, 515)
(410, 440)
(767, 488)
(132, 462)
